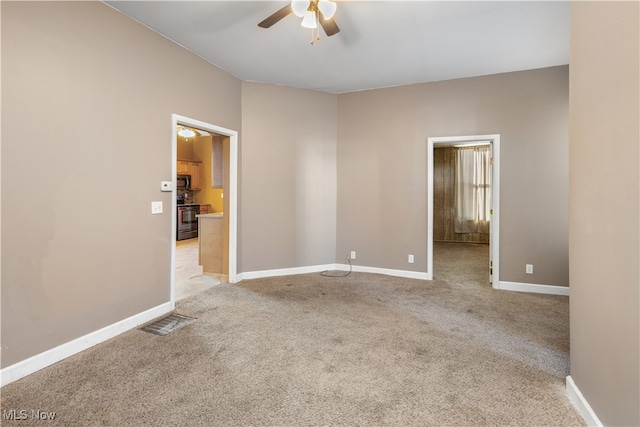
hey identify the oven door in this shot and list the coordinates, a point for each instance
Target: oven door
(187, 222)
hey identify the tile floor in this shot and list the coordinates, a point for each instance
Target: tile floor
(189, 277)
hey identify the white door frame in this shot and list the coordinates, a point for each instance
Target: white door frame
(231, 196)
(494, 236)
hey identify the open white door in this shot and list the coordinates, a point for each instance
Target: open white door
(491, 217)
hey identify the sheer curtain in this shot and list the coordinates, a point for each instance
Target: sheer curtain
(473, 189)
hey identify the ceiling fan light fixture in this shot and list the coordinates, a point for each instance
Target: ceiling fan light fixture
(311, 12)
(299, 7)
(186, 133)
(328, 8)
(309, 20)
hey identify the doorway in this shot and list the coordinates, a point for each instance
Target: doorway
(494, 142)
(229, 139)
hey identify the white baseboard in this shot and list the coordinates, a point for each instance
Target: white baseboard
(284, 271)
(581, 404)
(506, 286)
(533, 288)
(385, 271)
(56, 354)
(325, 267)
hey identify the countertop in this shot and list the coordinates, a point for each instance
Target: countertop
(210, 215)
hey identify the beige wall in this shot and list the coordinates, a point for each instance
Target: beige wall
(382, 175)
(288, 201)
(87, 98)
(604, 208)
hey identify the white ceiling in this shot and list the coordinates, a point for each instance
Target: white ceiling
(380, 43)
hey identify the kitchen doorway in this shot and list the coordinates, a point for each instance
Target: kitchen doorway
(189, 276)
(228, 139)
(494, 143)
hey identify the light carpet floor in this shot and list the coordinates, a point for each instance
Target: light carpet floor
(309, 350)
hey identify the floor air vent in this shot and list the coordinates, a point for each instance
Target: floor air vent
(168, 324)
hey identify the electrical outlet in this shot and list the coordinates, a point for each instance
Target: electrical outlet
(528, 268)
(353, 255)
(156, 208)
(410, 259)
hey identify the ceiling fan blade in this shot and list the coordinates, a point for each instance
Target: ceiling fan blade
(276, 17)
(329, 26)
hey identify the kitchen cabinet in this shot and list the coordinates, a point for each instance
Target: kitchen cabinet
(195, 170)
(210, 240)
(217, 172)
(192, 168)
(183, 167)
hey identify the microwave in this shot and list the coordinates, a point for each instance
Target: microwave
(183, 182)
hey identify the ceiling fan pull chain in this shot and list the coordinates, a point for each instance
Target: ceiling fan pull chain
(317, 25)
(315, 32)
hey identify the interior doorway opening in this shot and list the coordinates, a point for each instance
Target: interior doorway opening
(493, 141)
(213, 188)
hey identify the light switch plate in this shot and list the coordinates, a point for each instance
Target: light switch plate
(156, 208)
(166, 186)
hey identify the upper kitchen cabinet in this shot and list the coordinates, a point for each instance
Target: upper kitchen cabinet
(192, 168)
(217, 173)
(195, 170)
(183, 167)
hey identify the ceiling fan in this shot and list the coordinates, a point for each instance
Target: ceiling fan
(312, 12)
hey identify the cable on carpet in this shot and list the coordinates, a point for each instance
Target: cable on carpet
(326, 272)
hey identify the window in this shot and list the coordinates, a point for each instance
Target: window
(473, 189)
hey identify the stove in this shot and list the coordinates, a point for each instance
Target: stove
(187, 221)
